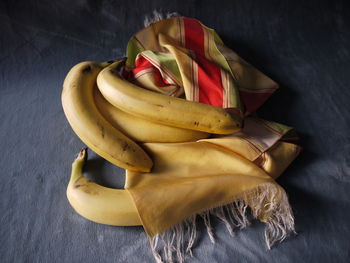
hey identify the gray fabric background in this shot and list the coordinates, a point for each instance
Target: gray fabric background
(303, 45)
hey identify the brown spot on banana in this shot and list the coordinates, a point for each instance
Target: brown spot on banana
(79, 185)
(102, 131)
(126, 147)
(89, 191)
(130, 164)
(86, 70)
(101, 128)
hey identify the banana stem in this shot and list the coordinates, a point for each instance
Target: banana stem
(77, 165)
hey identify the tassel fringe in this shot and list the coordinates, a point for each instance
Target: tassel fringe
(267, 202)
(157, 16)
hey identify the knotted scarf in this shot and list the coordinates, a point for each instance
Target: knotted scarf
(231, 177)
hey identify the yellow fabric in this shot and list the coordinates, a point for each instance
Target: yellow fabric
(278, 158)
(188, 178)
(168, 36)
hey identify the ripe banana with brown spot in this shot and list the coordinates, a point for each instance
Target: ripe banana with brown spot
(97, 203)
(87, 122)
(143, 130)
(164, 109)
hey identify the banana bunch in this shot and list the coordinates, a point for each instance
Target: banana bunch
(112, 116)
(92, 128)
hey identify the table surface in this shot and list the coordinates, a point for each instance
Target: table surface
(303, 45)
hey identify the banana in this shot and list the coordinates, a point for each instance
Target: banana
(97, 203)
(143, 130)
(91, 127)
(164, 109)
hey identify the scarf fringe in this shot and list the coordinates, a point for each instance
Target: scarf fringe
(267, 202)
(157, 16)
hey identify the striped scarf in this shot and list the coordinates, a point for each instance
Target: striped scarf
(181, 57)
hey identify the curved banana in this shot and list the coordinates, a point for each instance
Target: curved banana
(91, 127)
(161, 108)
(97, 203)
(143, 130)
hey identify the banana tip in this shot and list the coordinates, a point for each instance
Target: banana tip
(82, 154)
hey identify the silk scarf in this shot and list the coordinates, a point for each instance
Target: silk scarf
(231, 177)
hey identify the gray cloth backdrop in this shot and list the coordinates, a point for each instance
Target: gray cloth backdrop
(303, 45)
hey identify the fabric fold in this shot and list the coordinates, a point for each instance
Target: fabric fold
(230, 177)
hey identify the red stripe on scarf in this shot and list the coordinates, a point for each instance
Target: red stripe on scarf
(209, 76)
(142, 64)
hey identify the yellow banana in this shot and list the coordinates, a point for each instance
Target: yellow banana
(164, 109)
(143, 130)
(97, 203)
(87, 122)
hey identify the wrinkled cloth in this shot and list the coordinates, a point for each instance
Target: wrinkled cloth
(183, 58)
(181, 55)
(192, 177)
